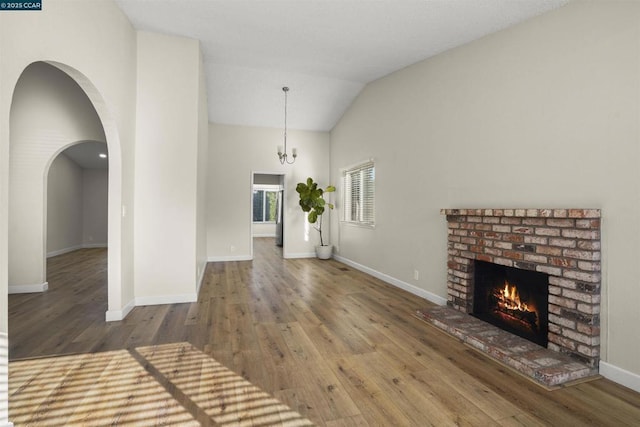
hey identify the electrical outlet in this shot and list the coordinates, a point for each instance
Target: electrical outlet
(232, 248)
(416, 275)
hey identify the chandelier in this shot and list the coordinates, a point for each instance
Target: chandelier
(282, 155)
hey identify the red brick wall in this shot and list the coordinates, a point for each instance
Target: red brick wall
(564, 243)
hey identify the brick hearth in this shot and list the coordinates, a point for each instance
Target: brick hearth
(547, 367)
(564, 243)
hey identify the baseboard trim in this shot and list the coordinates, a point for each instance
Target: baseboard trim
(117, 315)
(620, 376)
(63, 251)
(75, 248)
(429, 296)
(94, 245)
(28, 289)
(166, 299)
(229, 258)
(264, 235)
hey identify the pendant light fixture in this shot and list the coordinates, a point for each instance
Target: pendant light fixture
(282, 155)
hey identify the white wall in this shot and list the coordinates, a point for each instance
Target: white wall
(167, 146)
(95, 188)
(235, 153)
(544, 115)
(202, 163)
(263, 230)
(64, 206)
(64, 116)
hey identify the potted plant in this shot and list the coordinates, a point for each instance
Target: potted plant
(313, 203)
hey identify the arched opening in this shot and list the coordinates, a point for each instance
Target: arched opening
(53, 107)
(77, 199)
(75, 233)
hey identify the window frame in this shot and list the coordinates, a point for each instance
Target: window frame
(265, 188)
(366, 210)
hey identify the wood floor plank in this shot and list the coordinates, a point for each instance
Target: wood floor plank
(329, 398)
(219, 336)
(373, 404)
(297, 399)
(326, 342)
(406, 392)
(299, 343)
(273, 345)
(172, 327)
(357, 421)
(465, 397)
(243, 334)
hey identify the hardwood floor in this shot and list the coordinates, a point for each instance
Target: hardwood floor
(337, 346)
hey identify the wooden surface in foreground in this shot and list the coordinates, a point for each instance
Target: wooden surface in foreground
(169, 384)
(335, 345)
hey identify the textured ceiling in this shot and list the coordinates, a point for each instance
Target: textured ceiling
(326, 51)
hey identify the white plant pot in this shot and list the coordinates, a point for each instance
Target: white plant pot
(324, 252)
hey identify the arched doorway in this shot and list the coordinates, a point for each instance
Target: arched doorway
(77, 199)
(58, 106)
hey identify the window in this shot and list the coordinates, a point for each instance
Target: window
(358, 190)
(265, 203)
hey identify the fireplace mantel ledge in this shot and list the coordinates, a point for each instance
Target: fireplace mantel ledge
(525, 213)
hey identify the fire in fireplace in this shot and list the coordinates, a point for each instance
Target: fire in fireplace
(513, 299)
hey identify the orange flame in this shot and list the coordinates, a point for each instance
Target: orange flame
(511, 298)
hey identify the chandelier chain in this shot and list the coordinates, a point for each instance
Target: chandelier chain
(282, 155)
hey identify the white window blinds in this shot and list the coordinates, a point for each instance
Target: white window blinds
(358, 189)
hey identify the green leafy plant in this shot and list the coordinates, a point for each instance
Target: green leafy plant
(313, 202)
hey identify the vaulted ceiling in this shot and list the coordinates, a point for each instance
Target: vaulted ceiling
(326, 51)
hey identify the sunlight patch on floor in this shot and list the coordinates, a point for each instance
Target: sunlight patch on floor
(172, 384)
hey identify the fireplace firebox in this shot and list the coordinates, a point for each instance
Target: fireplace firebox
(512, 299)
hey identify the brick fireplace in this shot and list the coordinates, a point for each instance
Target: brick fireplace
(563, 243)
